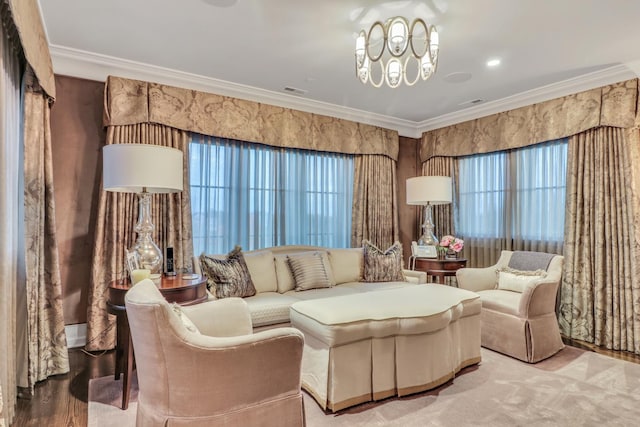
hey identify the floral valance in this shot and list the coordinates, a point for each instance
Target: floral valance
(25, 18)
(613, 105)
(132, 101)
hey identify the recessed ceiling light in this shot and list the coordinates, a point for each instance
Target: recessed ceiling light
(493, 63)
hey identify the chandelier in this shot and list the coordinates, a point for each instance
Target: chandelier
(396, 52)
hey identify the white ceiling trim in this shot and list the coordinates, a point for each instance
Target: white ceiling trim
(93, 66)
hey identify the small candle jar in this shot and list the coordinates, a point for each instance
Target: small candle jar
(140, 274)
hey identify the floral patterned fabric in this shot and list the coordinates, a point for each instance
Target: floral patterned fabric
(133, 101)
(600, 291)
(46, 339)
(28, 22)
(612, 105)
(375, 201)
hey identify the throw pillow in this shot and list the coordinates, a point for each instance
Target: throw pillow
(383, 266)
(191, 327)
(228, 277)
(517, 280)
(309, 271)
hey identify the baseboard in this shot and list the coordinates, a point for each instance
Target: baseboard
(76, 335)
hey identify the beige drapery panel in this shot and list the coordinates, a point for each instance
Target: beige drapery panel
(46, 339)
(117, 216)
(132, 101)
(612, 105)
(25, 17)
(36, 344)
(375, 201)
(600, 294)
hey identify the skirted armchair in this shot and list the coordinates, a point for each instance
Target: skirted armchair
(202, 366)
(518, 303)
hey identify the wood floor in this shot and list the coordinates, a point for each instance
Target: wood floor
(62, 400)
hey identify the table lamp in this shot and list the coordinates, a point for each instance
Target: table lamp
(428, 191)
(143, 169)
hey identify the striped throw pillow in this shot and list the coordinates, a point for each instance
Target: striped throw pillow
(309, 271)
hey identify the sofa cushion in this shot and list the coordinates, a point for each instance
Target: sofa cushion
(262, 269)
(382, 266)
(308, 271)
(529, 261)
(516, 280)
(501, 301)
(191, 327)
(373, 286)
(347, 264)
(269, 308)
(322, 293)
(228, 277)
(286, 281)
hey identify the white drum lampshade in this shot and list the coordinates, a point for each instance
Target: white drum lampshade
(428, 191)
(143, 169)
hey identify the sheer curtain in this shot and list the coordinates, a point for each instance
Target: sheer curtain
(512, 200)
(258, 196)
(11, 214)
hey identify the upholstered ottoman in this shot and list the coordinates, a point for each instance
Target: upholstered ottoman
(375, 345)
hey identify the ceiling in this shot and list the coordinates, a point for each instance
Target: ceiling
(253, 49)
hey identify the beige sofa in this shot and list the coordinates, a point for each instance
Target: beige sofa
(275, 285)
(521, 323)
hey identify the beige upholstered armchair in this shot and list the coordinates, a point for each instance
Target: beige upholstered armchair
(215, 371)
(518, 303)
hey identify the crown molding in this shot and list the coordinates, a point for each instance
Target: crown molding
(581, 83)
(93, 66)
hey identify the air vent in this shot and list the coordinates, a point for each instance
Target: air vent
(294, 90)
(472, 102)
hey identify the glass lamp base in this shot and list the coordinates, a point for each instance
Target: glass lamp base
(149, 255)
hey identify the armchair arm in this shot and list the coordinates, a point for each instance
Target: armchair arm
(221, 318)
(414, 276)
(477, 279)
(231, 373)
(538, 298)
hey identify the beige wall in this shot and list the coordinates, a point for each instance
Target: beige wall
(77, 138)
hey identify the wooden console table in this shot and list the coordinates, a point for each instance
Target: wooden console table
(439, 268)
(180, 289)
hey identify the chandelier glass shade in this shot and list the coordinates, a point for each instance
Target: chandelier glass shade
(395, 51)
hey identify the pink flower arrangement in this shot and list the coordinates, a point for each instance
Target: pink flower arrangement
(453, 243)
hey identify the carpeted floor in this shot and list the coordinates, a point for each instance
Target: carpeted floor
(573, 388)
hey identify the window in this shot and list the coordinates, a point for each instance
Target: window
(258, 196)
(515, 196)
